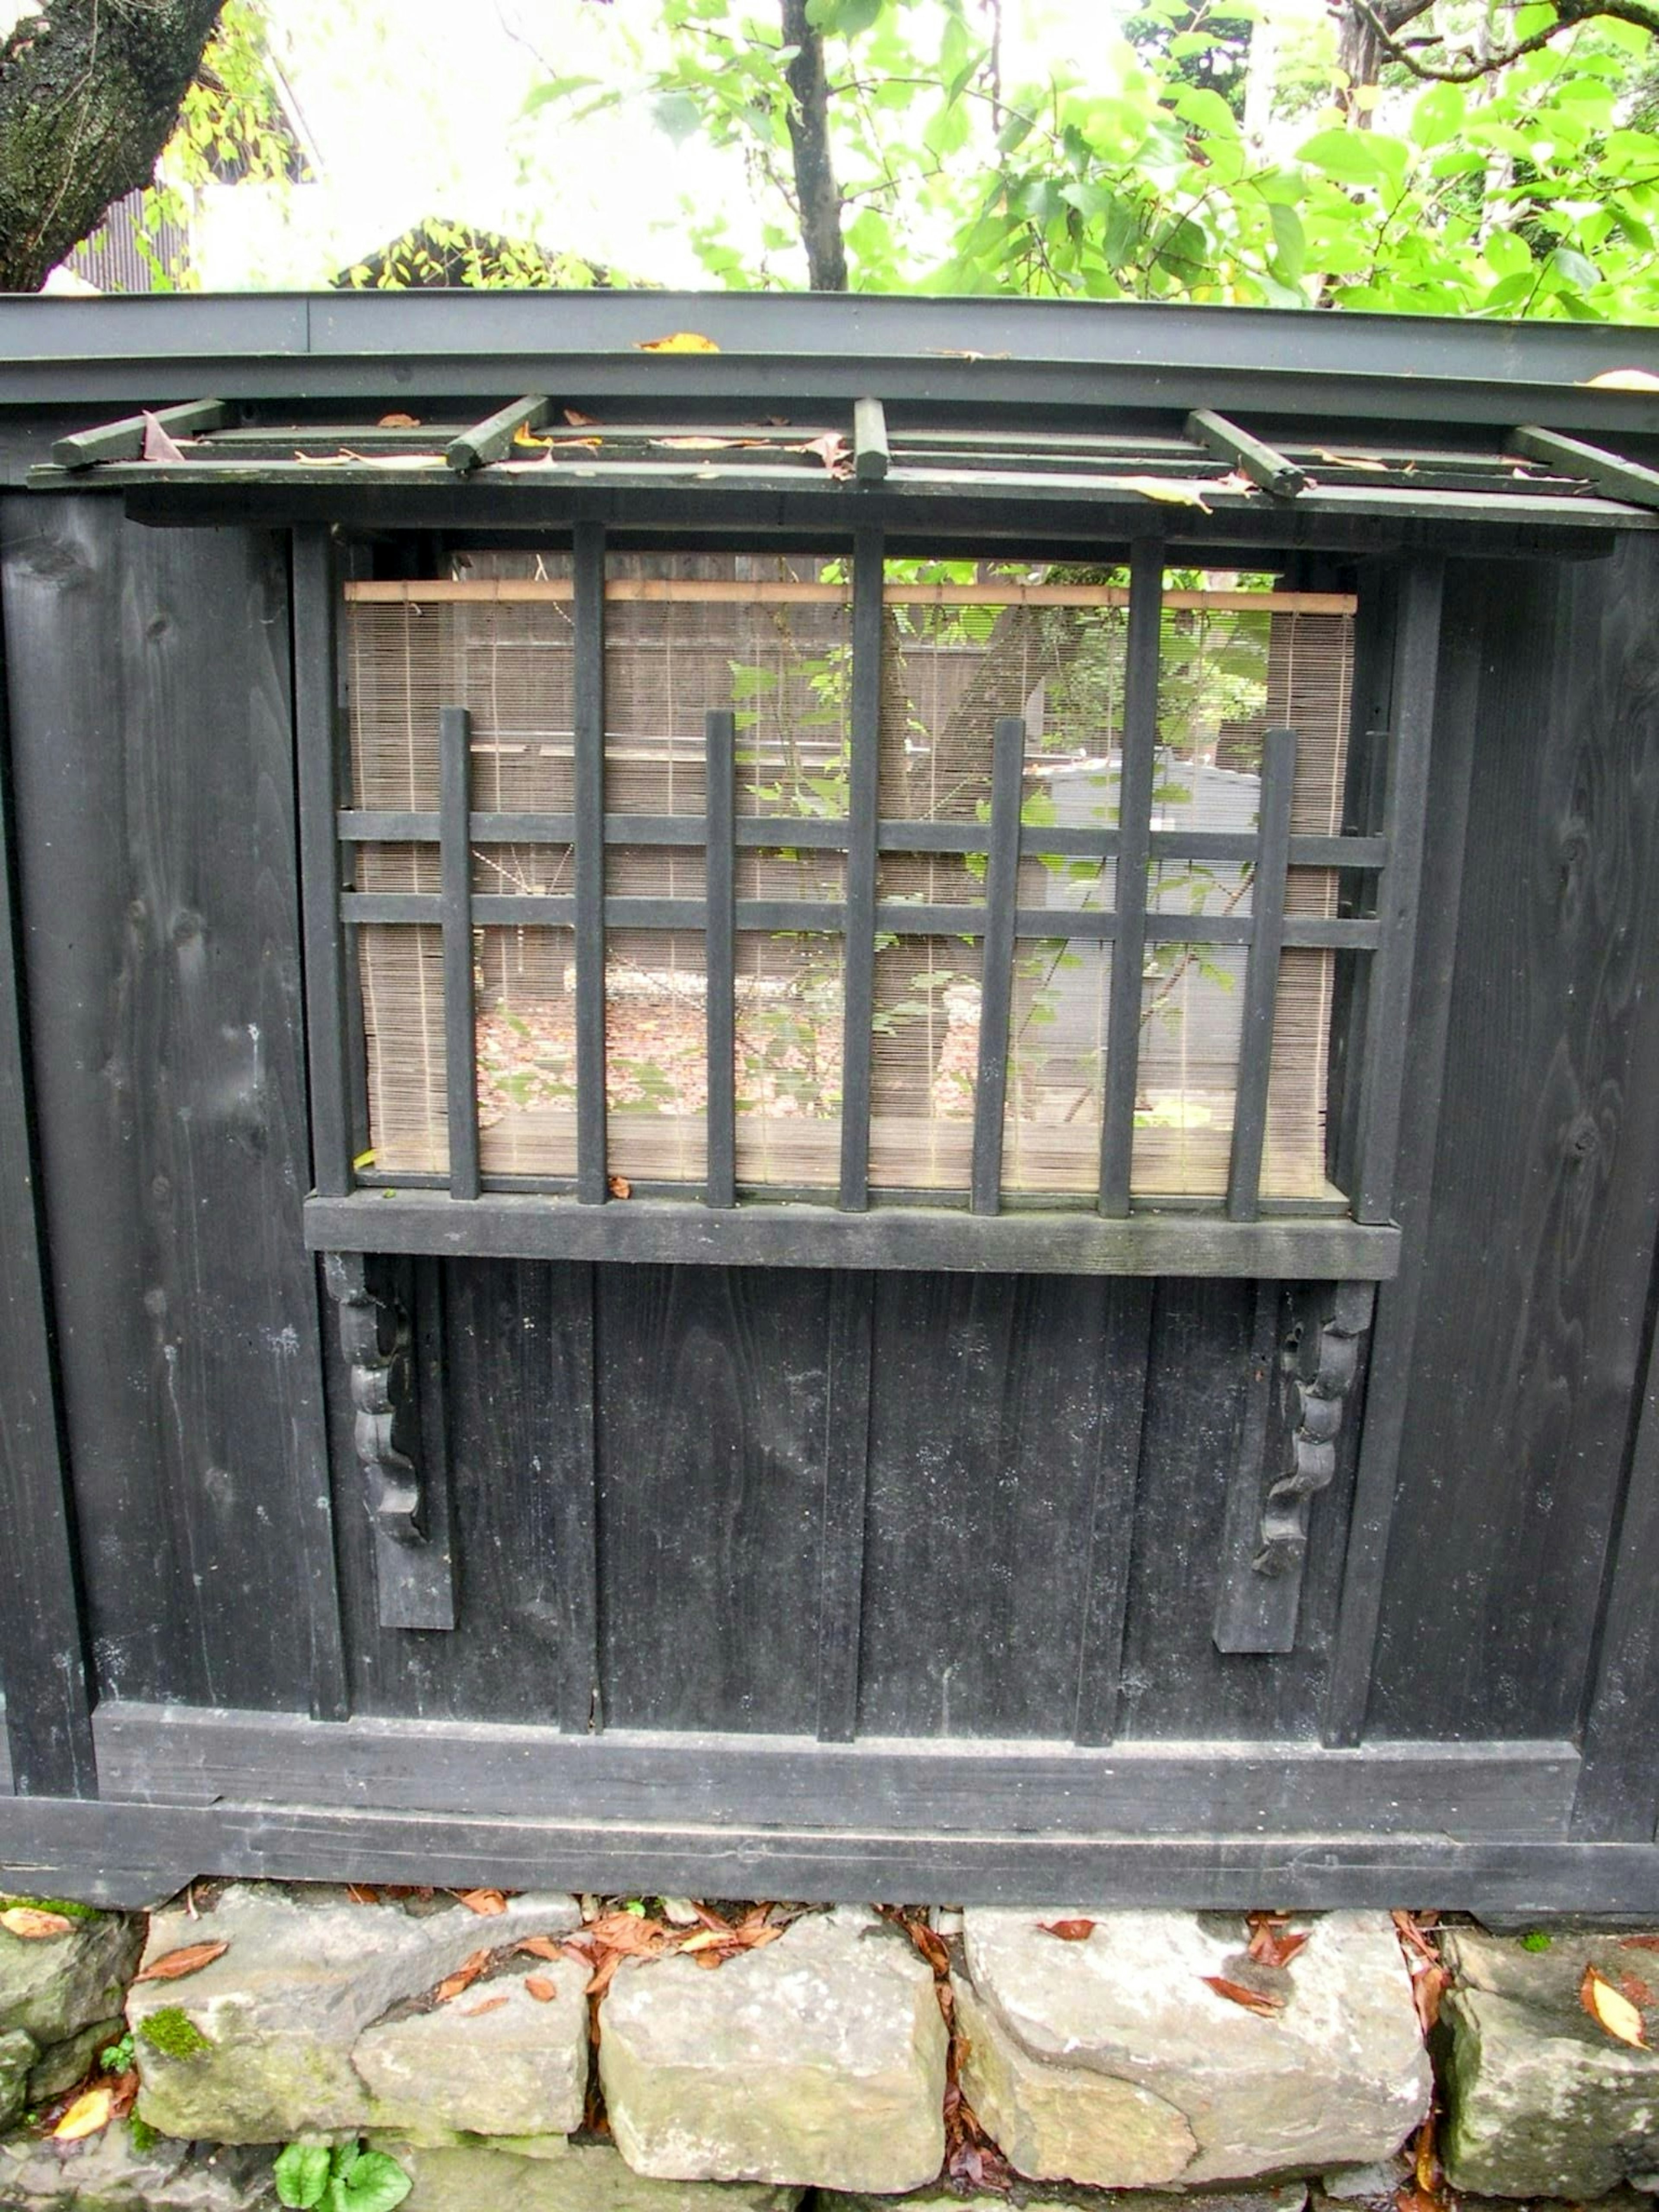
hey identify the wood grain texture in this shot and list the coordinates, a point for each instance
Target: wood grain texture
(1540, 1245)
(711, 1410)
(44, 1672)
(154, 784)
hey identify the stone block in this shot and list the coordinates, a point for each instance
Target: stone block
(499, 2064)
(1110, 2062)
(18, 2055)
(258, 2047)
(1069, 2197)
(818, 2060)
(559, 2176)
(106, 2173)
(66, 2064)
(1541, 2101)
(53, 1986)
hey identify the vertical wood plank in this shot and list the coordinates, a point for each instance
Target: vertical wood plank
(846, 1485)
(1256, 1045)
(316, 686)
(1417, 658)
(460, 1016)
(575, 1515)
(1421, 1054)
(720, 957)
(1135, 816)
(997, 970)
(589, 805)
(43, 1655)
(1111, 1519)
(864, 804)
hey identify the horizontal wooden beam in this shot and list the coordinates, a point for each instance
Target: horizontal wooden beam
(958, 1786)
(124, 440)
(1610, 473)
(510, 591)
(502, 1225)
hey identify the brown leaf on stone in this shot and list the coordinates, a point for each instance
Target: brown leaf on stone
(89, 2113)
(463, 1978)
(707, 1939)
(485, 1902)
(1636, 1989)
(175, 1965)
(1069, 1931)
(32, 1925)
(1236, 1993)
(1638, 1942)
(484, 2004)
(1273, 1944)
(1612, 2010)
(543, 1946)
(361, 1893)
(538, 1986)
(635, 1934)
(619, 1185)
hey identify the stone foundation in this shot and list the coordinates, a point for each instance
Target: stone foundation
(1146, 2052)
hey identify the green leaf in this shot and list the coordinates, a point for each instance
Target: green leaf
(1290, 242)
(1438, 115)
(302, 2175)
(1507, 255)
(1348, 156)
(375, 2184)
(842, 19)
(1573, 268)
(677, 114)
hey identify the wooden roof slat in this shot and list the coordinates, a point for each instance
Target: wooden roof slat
(492, 438)
(1261, 463)
(869, 454)
(1610, 473)
(124, 440)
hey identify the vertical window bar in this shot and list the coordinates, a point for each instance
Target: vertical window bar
(1255, 1044)
(997, 968)
(316, 729)
(720, 956)
(588, 772)
(1134, 817)
(1417, 655)
(863, 805)
(455, 876)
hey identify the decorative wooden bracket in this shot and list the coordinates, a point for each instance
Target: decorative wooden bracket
(1305, 1351)
(398, 1431)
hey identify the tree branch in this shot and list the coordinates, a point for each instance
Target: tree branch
(89, 94)
(816, 193)
(1569, 15)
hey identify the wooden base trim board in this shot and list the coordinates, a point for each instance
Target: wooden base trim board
(135, 1854)
(962, 1787)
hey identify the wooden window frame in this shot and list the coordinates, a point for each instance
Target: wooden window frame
(1245, 1234)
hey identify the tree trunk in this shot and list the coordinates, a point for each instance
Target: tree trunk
(1361, 53)
(89, 93)
(816, 193)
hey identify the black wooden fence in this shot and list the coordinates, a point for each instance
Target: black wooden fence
(846, 1547)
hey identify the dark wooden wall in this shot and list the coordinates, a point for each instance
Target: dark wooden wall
(673, 1510)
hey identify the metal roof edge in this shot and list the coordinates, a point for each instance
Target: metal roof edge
(318, 346)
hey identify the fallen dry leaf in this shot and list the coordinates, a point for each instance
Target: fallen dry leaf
(175, 1965)
(832, 450)
(541, 1947)
(676, 342)
(398, 423)
(485, 1902)
(1236, 1993)
(1638, 1942)
(575, 414)
(361, 1893)
(158, 444)
(619, 1187)
(1636, 1989)
(1272, 1942)
(463, 1978)
(32, 1925)
(1171, 491)
(1611, 2009)
(538, 1986)
(707, 1939)
(88, 2114)
(1623, 379)
(484, 2004)
(1069, 1931)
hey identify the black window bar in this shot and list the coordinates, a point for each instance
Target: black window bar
(1392, 859)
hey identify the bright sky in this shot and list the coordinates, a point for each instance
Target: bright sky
(411, 120)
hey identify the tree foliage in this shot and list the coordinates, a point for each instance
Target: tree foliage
(1532, 188)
